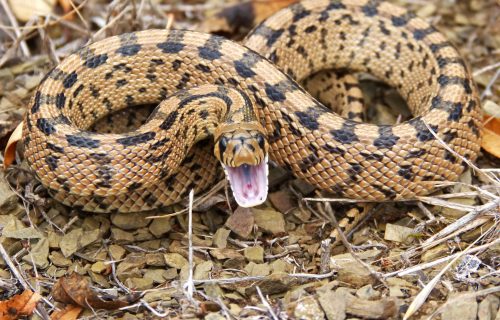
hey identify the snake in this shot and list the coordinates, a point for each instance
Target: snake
(240, 104)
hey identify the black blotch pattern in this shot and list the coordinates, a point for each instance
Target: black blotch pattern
(370, 9)
(445, 80)
(415, 153)
(137, 139)
(70, 80)
(299, 12)
(346, 134)
(46, 126)
(134, 186)
(81, 141)
(335, 5)
(203, 68)
(210, 50)
(399, 21)
(371, 156)
(51, 161)
(386, 138)
(129, 50)
(310, 29)
(55, 148)
(456, 112)
(78, 90)
(406, 172)
(423, 134)
(309, 118)
(121, 83)
(275, 93)
(170, 120)
(419, 34)
(473, 126)
(36, 102)
(450, 156)
(95, 61)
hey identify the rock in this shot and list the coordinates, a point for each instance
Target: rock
(226, 253)
(70, 242)
(39, 254)
(202, 270)
(117, 252)
(8, 199)
(156, 275)
(333, 304)
(241, 222)
(282, 200)
(131, 266)
(54, 239)
(100, 267)
(356, 275)
(488, 308)
(15, 229)
(369, 309)
(220, 238)
(121, 236)
(139, 283)
(397, 233)
(130, 221)
(59, 260)
(254, 254)
(160, 295)
(255, 269)
(367, 293)
(160, 227)
(303, 187)
(175, 260)
(463, 308)
(156, 259)
(308, 308)
(277, 176)
(269, 220)
(280, 266)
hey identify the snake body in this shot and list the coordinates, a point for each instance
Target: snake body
(157, 164)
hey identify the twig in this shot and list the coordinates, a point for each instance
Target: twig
(260, 278)
(15, 25)
(189, 285)
(266, 304)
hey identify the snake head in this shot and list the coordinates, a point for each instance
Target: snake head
(243, 155)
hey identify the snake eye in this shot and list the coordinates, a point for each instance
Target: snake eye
(223, 144)
(260, 141)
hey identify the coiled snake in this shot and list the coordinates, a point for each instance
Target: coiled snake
(213, 86)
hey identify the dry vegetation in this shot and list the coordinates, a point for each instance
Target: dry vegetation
(437, 257)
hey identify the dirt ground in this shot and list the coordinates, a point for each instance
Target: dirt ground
(435, 258)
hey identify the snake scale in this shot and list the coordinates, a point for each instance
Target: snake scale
(248, 98)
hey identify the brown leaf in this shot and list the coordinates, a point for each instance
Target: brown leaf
(19, 305)
(71, 312)
(10, 148)
(491, 136)
(75, 289)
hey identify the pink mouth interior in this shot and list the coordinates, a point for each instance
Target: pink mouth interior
(249, 183)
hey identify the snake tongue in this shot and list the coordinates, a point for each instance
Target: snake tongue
(249, 183)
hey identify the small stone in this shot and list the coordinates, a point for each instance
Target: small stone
(396, 292)
(100, 267)
(308, 308)
(463, 308)
(160, 227)
(70, 242)
(130, 221)
(303, 187)
(277, 176)
(54, 239)
(170, 274)
(157, 275)
(99, 279)
(143, 234)
(255, 269)
(226, 253)
(355, 274)
(59, 260)
(160, 295)
(8, 199)
(131, 266)
(139, 283)
(282, 200)
(367, 293)
(397, 233)
(220, 238)
(333, 304)
(455, 213)
(269, 220)
(156, 259)
(202, 270)
(39, 254)
(16, 229)
(241, 222)
(121, 236)
(488, 308)
(280, 266)
(117, 252)
(254, 254)
(175, 260)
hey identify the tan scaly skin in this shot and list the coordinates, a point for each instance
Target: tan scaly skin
(156, 165)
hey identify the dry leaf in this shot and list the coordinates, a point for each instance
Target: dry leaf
(10, 148)
(19, 305)
(75, 289)
(491, 136)
(71, 312)
(24, 10)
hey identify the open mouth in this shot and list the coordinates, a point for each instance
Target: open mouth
(249, 183)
